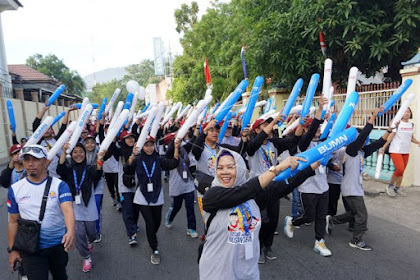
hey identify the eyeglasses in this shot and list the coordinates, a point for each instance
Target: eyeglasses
(35, 149)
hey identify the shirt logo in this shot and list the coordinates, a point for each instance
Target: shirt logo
(53, 194)
(23, 198)
(9, 203)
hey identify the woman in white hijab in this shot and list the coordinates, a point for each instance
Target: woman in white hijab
(232, 248)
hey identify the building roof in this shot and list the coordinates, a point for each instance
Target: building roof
(414, 60)
(29, 74)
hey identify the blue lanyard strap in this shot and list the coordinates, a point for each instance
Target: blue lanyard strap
(149, 175)
(78, 186)
(266, 155)
(213, 153)
(246, 215)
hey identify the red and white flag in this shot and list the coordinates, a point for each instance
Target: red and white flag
(322, 43)
(207, 72)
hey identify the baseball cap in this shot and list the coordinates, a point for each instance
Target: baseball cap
(168, 138)
(150, 138)
(36, 151)
(125, 134)
(259, 121)
(15, 148)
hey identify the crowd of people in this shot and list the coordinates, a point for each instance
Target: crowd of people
(232, 180)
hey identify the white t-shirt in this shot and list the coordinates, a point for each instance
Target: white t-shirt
(402, 140)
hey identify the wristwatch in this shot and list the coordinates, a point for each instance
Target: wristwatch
(273, 169)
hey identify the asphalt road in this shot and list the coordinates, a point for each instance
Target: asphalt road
(396, 245)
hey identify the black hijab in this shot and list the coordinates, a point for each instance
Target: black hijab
(79, 168)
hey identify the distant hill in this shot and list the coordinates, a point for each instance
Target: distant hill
(104, 76)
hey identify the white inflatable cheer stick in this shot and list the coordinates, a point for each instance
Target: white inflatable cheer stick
(64, 138)
(40, 131)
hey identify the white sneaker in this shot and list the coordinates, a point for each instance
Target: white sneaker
(390, 190)
(399, 191)
(321, 248)
(288, 226)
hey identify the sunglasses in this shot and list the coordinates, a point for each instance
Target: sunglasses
(35, 149)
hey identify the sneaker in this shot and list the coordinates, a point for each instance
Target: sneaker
(98, 238)
(261, 259)
(270, 254)
(90, 248)
(288, 227)
(321, 248)
(119, 206)
(23, 277)
(132, 240)
(330, 225)
(155, 257)
(399, 192)
(87, 264)
(114, 201)
(360, 245)
(276, 233)
(168, 223)
(192, 233)
(390, 190)
(308, 224)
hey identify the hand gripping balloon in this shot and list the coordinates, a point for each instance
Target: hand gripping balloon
(320, 151)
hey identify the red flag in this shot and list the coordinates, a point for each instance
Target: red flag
(207, 72)
(322, 43)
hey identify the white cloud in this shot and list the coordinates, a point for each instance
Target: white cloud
(121, 31)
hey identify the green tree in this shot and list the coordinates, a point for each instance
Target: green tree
(186, 17)
(54, 67)
(282, 41)
(143, 73)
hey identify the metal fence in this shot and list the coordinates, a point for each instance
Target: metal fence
(368, 101)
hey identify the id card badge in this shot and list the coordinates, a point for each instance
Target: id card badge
(78, 199)
(150, 187)
(184, 175)
(249, 253)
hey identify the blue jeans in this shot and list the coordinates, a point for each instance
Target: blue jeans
(176, 203)
(296, 203)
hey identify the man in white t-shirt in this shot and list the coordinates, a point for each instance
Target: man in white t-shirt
(57, 228)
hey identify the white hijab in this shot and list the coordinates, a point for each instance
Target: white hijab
(240, 168)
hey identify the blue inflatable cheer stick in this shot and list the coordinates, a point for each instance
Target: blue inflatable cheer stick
(231, 100)
(396, 96)
(256, 88)
(310, 92)
(11, 115)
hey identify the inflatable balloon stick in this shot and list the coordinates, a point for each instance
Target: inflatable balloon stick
(64, 138)
(142, 115)
(40, 131)
(158, 118)
(116, 114)
(112, 100)
(402, 109)
(146, 128)
(133, 105)
(215, 108)
(351, 83)
(292, 98)
(326, 129)
(309, 95)
(55, 95)
(80, 124)
(102, 109)
(193, 117)
(58, 117)
(244, 62)
(84, 103)
(296, 123)
(225, 126)
(183, 112)
(256, 89)
(295, 110)
(379, 161)
(326, 85)
(320, 151)
(80, 105)
(231, 100)
(345, 114)
(11, 115)
(112, 132)
(396, 96)
(128, 101)
(171, 112)
(146, 107)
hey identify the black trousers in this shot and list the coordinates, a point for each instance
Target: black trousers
(334, 196)
(357, 215)
(112, 183)
(52, 260)
(130, 213)
(152, 216)
(315, 208)
(268, 228)
(189, 206)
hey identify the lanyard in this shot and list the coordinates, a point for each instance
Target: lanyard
(78, 186)
(246, 215)
(147, 171)
(266, 155)
(213, 153)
